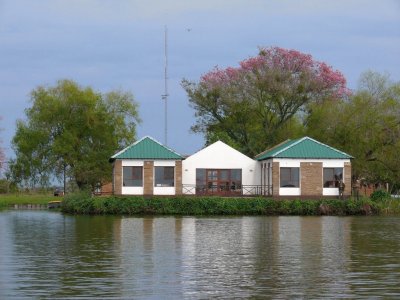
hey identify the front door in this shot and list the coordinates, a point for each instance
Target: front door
(219, 181)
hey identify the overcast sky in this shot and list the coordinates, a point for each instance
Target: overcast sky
(119, 44)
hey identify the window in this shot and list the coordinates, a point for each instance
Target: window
(132, 176)
(164, 176)
(289, 177)
(218, 181)
(332, 176)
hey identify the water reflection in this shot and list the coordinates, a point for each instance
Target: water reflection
(49, 255)
(374, 266)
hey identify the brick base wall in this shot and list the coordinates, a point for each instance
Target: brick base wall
(275, 178)
(178, 177)
(117, 182)
(311, 178)
(107, 188)
(347, 179)
(148, 184)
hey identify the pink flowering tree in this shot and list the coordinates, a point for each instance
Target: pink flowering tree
(264, 99)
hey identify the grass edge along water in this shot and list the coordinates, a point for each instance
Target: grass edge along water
(84, 203)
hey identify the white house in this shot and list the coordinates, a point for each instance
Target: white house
(303, 167)
(147, 168)
(220, 170)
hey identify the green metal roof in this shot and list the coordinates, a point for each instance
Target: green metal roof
(147, 148)
(305, 147)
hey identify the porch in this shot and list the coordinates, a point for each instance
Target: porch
(227, 190)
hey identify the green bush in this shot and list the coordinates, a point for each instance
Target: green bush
(4, 186)
(80, 203)
(380, 196)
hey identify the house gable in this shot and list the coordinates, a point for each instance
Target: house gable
(220, 156)
(218, 153)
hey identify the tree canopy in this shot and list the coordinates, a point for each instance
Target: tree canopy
(367, 126)
(72, 130)
(255, 104)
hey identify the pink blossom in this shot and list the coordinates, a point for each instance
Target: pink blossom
(276, 60)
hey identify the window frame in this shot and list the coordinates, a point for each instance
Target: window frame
(133, 177)
(291, 179)
(332, 182)
(218, 181)
(167, 180)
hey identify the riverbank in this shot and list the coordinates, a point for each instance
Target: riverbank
(79, 204)
(22, 199)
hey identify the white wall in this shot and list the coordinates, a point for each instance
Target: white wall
(295, 163)
(131, 190)
(157, 190)
(164, 190)
(221, 156)
(290, 163)
(334, 163)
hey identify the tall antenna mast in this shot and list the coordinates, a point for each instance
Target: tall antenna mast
(165, 95)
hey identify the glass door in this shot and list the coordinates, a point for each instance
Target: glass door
(212, 181)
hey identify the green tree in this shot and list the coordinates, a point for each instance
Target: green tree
(71, 131)
(254, 105)
(367, 126)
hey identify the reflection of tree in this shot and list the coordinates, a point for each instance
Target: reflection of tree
(89, 258)
(64, 256)
(375, 259)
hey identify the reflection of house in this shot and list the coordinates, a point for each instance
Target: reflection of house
(302, 167)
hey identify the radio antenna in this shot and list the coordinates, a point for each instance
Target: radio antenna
(165, 95)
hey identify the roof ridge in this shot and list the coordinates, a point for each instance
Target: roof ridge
(206, 146)
(162, 145)
(330, 147)
(127, 147)
(272, 148)
(295, 142)
(234, 149)
(139, 141)
(292, 147)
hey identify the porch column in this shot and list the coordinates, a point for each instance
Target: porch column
(117, 180)
(148, 170)
(178, 177)
(311, 180)
(275, 178)
(347, 179)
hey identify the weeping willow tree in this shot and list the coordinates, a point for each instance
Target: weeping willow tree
(71, 131)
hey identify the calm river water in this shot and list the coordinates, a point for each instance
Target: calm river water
(49, 255)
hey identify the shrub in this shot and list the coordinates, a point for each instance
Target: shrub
(380, 196)
(78, 203)
(4, 186)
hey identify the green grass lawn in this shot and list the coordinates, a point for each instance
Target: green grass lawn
(11, 199)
